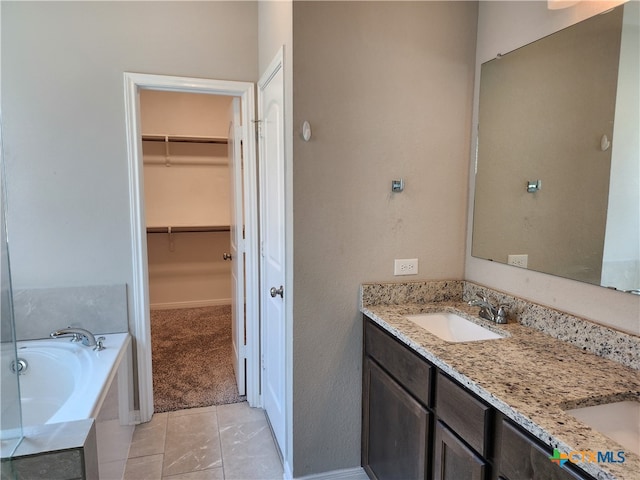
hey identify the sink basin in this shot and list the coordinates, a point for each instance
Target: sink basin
(620, 421)
(452, 328)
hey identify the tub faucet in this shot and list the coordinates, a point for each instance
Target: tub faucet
(78, 334)
(488, 311)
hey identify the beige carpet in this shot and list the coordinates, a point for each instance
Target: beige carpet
(192, 358)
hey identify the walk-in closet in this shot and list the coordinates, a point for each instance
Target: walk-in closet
(187, 213)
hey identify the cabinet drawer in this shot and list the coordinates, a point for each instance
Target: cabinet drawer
(411, 371)
(469, 417)
(522, 458)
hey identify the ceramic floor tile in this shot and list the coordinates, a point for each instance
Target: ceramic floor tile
(144, 468)
(149, 438)
(249, 451)
(234, 439)
(192, 411)
(235, 413)
(209, 474)
(192, 443)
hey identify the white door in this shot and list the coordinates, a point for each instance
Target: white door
(272, 249)
(236, 247)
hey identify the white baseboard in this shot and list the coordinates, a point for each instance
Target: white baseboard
(190, 304)
(356, 473)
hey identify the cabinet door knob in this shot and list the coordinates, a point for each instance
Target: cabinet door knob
(227, 256)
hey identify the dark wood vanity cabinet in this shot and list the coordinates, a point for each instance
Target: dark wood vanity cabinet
(419, 423)
(462, 433)
(453, 459)
(521, 457)
(396, 423)
(397, 429)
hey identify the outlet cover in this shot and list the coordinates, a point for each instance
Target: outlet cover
(520, 260)
(405, 266)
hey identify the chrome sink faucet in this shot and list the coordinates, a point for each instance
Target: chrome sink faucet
(78, 334)
(488, 311)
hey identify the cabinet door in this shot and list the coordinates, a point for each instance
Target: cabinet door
(454, 460)
(395, 428)
(521, 458)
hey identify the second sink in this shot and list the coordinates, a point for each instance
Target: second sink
(619, 421)
(452, 328)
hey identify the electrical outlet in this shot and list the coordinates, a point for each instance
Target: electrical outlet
(405, 266)
(518, 260)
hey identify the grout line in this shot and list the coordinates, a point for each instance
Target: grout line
(164, 444)
(220, 443)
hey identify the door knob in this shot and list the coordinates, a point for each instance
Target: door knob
(227, 256)
(277, 291)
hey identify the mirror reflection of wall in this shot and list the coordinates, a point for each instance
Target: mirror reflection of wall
(544, 110)
(621, 257)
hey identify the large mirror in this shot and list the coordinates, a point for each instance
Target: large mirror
(558, 154)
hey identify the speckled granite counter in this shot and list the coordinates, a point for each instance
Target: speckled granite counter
(529, 375)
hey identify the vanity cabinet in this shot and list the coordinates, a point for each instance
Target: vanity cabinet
(462, 433)
(395, 415)
(397, 429)
(419, 423)
(453, 459)
(522, 457)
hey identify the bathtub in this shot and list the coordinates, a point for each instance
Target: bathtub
(63, 381)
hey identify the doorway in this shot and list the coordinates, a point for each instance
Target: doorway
(140, 324)
(187, 195)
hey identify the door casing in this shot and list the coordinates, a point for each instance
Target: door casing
(139, 323)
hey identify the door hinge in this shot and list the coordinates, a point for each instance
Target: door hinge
(258, 125)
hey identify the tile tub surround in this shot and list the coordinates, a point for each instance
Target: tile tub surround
(529, 375)
(61, 450)
(97, 308)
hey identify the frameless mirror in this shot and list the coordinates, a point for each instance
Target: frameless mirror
(558, 155)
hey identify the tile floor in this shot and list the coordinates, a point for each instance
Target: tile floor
(225, 442)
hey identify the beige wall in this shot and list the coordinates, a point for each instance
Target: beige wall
(63, 119)
(186, 269)
(387, 89)
(504, 26)
(190, 114)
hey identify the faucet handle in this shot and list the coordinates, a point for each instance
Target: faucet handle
(501, 315)
(99, 344)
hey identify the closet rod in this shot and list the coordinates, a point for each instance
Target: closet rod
(183, 138)
(219, 228)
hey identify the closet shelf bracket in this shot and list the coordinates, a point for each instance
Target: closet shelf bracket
(167, 160)
(172, 245)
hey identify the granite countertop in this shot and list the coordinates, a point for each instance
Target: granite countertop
(529, 376)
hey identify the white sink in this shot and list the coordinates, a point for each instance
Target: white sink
(620, 421)
(452, 328)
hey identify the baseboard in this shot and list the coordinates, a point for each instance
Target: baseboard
(190, 304)
(356, 473)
